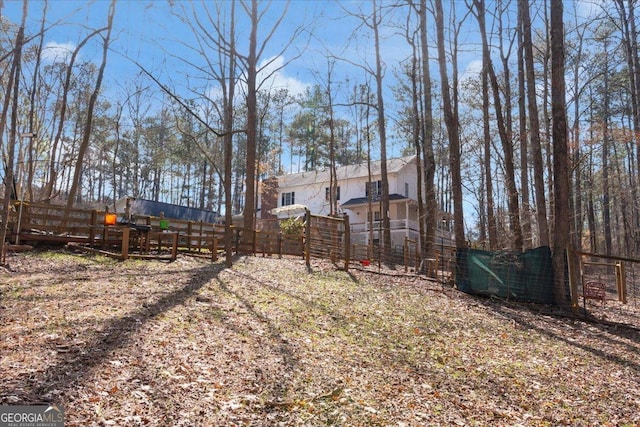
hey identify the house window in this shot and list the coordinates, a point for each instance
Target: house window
(327, 192)
(376, 216)
(376, 188)
(288, 199)
(406, 189)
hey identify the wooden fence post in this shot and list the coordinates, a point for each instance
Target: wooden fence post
(23, 216)
(573, 283)
(307, 234)
(347, 242)
(174, 246)
(104, 227)
(621, 282)
(92, 227)
(125, 243)
(406, 251)
(254, 237)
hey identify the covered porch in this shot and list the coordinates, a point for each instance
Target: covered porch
(366, 220)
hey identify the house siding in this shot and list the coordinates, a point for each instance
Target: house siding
(310, 190)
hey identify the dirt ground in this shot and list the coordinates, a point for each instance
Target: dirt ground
(270, 343)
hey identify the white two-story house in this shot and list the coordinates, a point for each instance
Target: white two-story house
(311, 189)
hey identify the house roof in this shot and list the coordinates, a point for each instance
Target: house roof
(364, 200)
(343, 172)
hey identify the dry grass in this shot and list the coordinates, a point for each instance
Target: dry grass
(269, 343)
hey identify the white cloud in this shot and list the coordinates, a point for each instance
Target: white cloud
(57, 52)
(272, 77)
(586, 9)
(472, 70)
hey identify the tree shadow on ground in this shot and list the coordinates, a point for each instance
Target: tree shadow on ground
(117, 333)
(611, 335)
(275, 288)
(281, 345)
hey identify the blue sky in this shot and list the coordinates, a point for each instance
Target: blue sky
(148, 32)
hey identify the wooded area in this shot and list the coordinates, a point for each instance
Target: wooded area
(538, 145)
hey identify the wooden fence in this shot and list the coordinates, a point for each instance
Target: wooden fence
(328, 237)
(41, 223)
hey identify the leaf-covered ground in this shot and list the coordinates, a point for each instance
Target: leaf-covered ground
(269, 343)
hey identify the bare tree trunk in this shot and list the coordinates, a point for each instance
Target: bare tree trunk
(451, 121)
(524, 146)
(86, 136)
(228, 98)
(622, 206)
(534, 126)
(369, 173)
(416, 136)
(417, 144)
(546, 119)
(53, 173)
(635, 83)
(630, 43)
(509, 165)
(116, 149)
(31, 162)
(562, 217)
(382, 133)
(14, 79)
(431, 203)
(252, 71)
(506, 116)
(333, 180)
(492, 226)
(512, 192)
(577, 163)
(606, 199)
(591, 214)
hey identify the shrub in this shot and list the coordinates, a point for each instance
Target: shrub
(291, 227)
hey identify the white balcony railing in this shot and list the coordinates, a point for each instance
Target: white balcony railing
(395, 225)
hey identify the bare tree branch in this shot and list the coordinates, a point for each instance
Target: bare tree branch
(183, 104)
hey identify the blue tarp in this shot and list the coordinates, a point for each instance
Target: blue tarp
(151, 208)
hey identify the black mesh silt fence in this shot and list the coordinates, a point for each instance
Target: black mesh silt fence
(525, 277)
